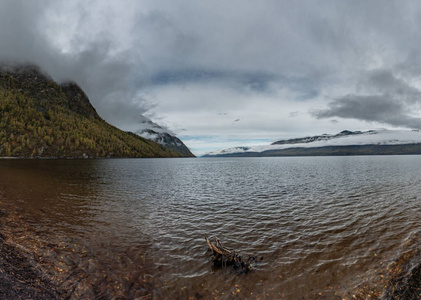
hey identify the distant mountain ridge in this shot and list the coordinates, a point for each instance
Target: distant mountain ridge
(372, 142)
(41, 118)
(323, 137)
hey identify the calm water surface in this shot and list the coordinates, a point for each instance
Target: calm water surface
(324, 225)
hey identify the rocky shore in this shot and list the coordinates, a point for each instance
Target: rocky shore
(35, 265)
(18, 277)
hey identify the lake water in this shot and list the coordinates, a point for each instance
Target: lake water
(324, 226)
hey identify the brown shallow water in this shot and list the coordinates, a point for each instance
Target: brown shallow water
(327, 227)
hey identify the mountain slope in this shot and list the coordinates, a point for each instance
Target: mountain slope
(40, 118)
(373, 142)
(152, 131)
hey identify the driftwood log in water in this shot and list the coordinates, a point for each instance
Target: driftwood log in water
(222, 256)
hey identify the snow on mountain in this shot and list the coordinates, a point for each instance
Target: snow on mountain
(145, 124)
(152, 131)
(345, 138)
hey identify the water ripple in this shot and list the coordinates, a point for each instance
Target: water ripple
(321, 224)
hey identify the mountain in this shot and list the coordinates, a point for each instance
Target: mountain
(152, 131)
(323, 137)
(41, 118)
(372, 142)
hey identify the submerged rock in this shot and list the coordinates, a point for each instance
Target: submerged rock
(405, 281)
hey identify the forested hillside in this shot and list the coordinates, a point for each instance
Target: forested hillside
(40, 118)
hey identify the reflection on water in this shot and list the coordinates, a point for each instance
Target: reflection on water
(324, 225)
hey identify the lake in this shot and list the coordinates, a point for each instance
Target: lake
(325, 226)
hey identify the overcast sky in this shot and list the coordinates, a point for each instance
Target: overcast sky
(229, 73)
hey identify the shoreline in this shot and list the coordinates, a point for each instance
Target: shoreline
(19, 275)
(20, 279)
(82, 158)
(38, 265)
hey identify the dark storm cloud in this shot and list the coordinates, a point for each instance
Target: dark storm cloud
(384, 99)
(258, 81)
(252, 45)
(19, 35)
(382, 108)
(105, 77)
(384, 82)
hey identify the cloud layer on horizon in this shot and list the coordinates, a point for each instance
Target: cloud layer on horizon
(282, 68)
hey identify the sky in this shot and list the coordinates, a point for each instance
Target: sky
(229, 73)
